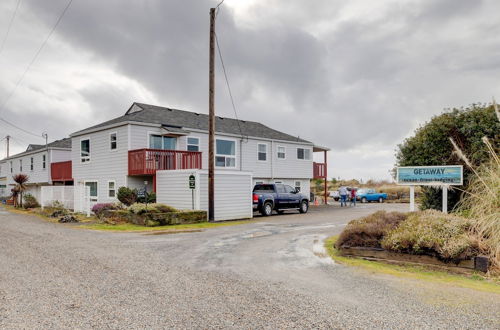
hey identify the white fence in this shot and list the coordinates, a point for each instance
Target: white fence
(82, 199)
(75, 198)
(233, 192)
(62, 194)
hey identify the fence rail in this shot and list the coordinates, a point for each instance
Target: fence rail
(148, 161)
(319, 170)
(61, 171)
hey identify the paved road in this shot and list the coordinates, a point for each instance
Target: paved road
(266, 274)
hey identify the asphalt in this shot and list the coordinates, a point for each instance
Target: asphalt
(270, 274)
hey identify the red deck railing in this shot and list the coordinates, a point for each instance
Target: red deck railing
(148, 161)
(61, 171)
(319, 170)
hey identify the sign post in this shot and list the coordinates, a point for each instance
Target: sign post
(192, 186)
(412, 198)
(444, 176)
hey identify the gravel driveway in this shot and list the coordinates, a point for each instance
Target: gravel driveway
(267, 274)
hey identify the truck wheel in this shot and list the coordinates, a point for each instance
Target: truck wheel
(304, 206)
(267, 209)
(363, 200)
(380, 200)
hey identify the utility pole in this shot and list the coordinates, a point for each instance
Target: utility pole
(211, 121)
(7, 140)
(46, 136)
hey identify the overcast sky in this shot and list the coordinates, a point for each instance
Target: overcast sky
(355, 76)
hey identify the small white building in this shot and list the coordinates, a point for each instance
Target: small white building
(43, 164)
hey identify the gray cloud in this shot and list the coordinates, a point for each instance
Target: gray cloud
(343, 74)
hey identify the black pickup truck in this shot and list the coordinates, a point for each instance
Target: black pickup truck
(278, 197)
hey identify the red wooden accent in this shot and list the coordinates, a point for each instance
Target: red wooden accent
(61, 171)
(319, 170)
(148, 161)
(326, 175)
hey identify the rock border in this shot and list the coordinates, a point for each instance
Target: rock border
(479, 263)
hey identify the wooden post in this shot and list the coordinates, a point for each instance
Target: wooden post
(412, 198)
(445, 199)
(326, 178)
(211, 121)
(8, 144)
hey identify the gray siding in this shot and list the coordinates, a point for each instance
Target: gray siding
(38, 175)
(105, 164)
(60, 155)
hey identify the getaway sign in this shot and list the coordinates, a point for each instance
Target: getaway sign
(430, 175)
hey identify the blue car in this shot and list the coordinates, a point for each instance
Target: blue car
(370, 195)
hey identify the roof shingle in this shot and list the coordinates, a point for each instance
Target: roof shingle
(186, 119)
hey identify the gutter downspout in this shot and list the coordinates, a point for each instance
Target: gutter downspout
(272, 163)
(241, 154)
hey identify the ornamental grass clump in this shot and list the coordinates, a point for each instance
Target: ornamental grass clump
(481, 204)
(369, 231)
(433, 233)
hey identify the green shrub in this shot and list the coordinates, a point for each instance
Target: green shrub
(30, 202)
(433, 233)
(430, 145)
(127, 196)
(139, 208)
(368, 231)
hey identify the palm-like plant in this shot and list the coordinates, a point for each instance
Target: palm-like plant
(20, 180)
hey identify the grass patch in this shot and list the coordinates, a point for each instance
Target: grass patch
(475, 281)
(129, 227)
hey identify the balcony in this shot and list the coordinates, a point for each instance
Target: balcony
(148, 161)
(319, 170)
(61, 171)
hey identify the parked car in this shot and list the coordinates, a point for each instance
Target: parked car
(278, 197)
(370, 195)
(334, 194)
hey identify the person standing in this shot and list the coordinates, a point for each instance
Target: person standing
(353, 197)
(343, 196)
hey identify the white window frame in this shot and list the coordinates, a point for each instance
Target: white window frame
(32, 164)
(306, 159)
(278, 152)
(44, 162)
(96, 198)
(258, 151)
(114, 189)
(20, 166)
(299, 185)
(85, 160)
(162, 141)
(226, 156)
(190, 144)
(111, 141)
(11, 167)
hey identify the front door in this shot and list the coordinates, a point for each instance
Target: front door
(293, 197)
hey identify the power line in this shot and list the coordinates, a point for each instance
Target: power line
(10, 26)
(19, 128)
(29, 67)
(227, 83)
